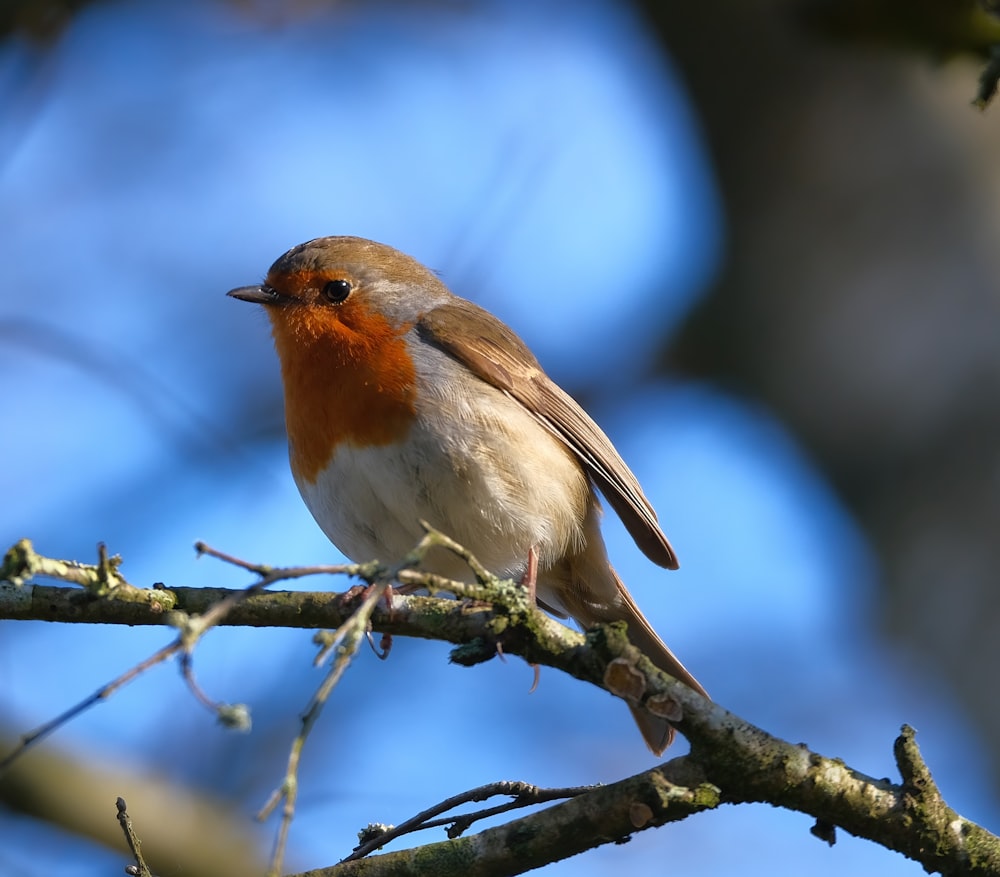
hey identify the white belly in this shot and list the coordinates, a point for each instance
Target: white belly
(486, 473)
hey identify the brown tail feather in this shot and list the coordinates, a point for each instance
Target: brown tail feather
(591, 575)
(587, 587)
(646, 640)
(657, 732)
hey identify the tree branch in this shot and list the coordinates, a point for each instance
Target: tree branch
(608, 814)
(731, 761)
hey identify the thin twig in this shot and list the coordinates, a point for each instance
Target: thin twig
(102, 693)
(258, 568)
(524, 795)
(269, 575)
(140, 869)
(345, 640)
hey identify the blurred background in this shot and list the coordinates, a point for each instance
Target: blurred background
(756, 240)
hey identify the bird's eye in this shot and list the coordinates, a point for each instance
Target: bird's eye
(337, 291)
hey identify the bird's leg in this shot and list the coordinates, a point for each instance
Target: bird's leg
(385, 644)
(530, 581)
(530, 577)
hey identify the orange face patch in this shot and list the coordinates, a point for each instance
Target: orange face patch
(348, 379)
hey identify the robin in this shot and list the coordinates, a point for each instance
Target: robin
(404, 402)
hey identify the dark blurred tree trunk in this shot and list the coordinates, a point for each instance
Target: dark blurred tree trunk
(859, 294)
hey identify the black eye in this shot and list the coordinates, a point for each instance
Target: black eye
(336, 291)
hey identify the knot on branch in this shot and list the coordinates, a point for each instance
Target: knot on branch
(917, 780)
(626, 673)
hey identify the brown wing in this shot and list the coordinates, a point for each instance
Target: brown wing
(492, 351)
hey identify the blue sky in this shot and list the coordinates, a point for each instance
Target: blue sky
(544, 159)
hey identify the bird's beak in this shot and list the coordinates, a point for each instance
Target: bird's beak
(260, 295)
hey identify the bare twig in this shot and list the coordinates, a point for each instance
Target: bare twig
(344, 641)
(103, 693)
(140, 868)
(347, 639)
(375, 837)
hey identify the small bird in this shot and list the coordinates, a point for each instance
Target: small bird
(404, 402)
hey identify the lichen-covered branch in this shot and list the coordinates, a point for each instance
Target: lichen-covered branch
(607, 814)
(731, 761)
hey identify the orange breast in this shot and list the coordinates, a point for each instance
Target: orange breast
(348, 379)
